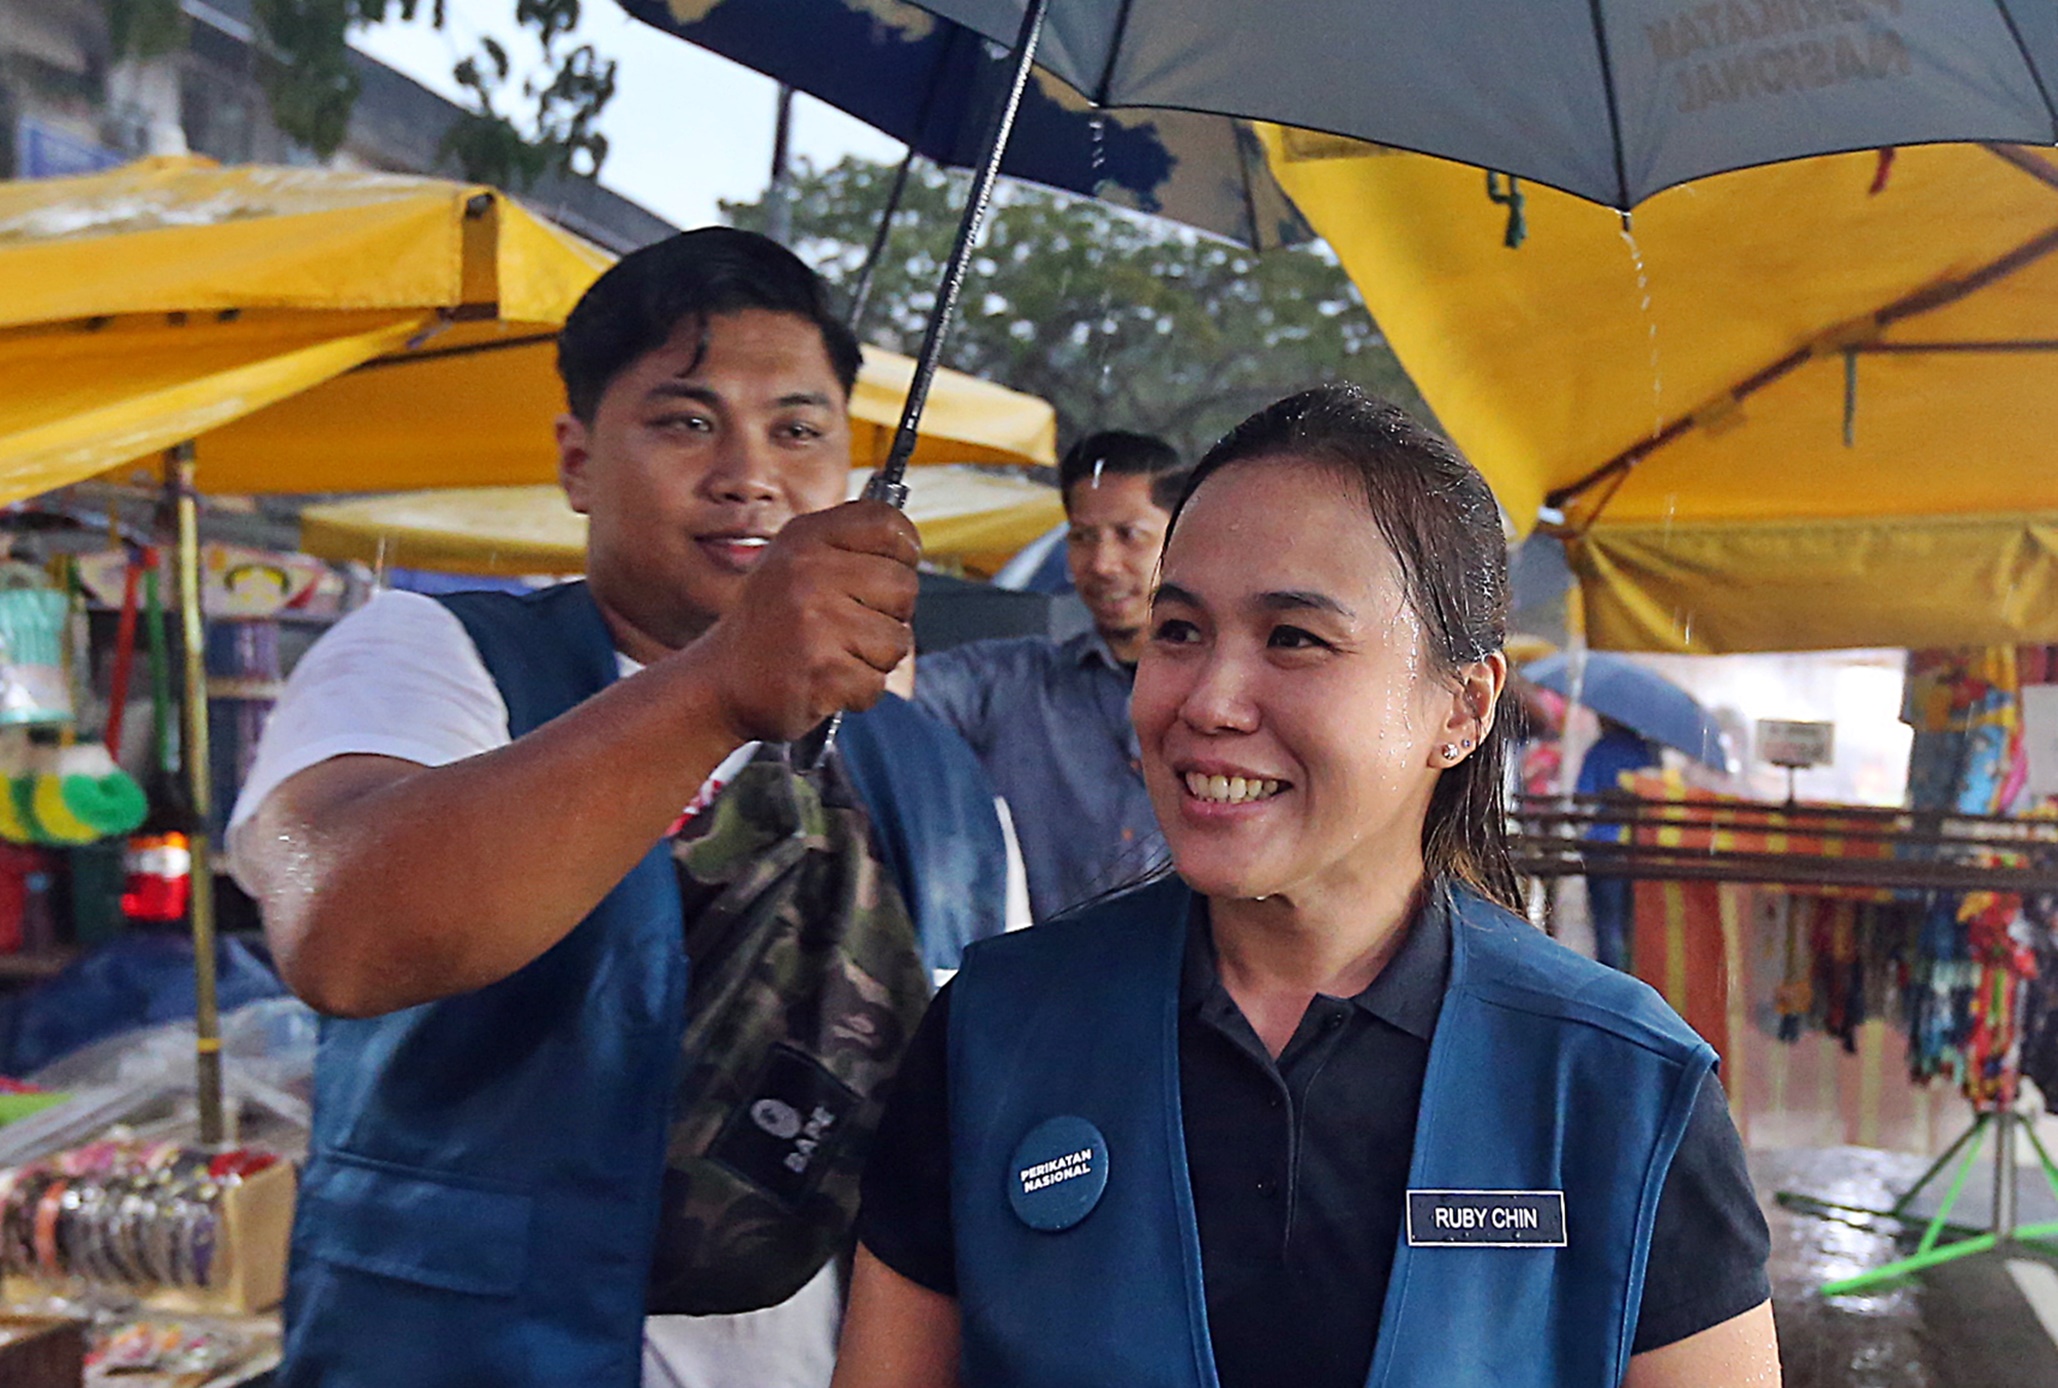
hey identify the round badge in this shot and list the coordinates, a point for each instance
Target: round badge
(1058, 1174)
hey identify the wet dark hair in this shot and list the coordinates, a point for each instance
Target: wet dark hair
(1438, 517)
(636, 306)
(1125, 454)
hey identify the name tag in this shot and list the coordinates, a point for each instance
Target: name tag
(1486, 1218)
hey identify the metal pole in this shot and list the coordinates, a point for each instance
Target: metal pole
(778, 203)
(199, 787)
(886, 484)
(863, 293)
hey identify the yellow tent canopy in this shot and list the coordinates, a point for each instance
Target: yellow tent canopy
(327, 331)
(1804, 406)
(964, 514)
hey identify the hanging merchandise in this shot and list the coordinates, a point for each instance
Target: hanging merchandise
(2040, 998)
(157, 870)
(34, 618)
(1966, 1006)
(1962, 706)
(65, 796)
(1843, 962)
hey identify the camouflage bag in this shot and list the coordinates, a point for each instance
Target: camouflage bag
(805, 988)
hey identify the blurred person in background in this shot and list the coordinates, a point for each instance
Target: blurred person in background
(1050, 719)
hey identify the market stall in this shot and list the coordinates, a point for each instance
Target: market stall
(1788, 408)
(171, 327)
(968, 517)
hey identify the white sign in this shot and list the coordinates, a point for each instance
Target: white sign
(1796, 744)
(2040, 737)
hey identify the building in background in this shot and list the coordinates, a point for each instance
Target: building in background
(67, 107)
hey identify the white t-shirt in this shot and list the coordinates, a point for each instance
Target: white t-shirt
(400, 677)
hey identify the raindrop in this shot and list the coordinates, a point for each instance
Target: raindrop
(1643, 290)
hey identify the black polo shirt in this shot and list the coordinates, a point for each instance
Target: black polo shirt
(1299, 1169)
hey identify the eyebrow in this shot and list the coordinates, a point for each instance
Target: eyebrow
(686, 390)
(1302, 600)
(683, 390)
(1282, 600)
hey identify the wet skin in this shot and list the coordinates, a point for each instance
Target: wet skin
(1282, 651)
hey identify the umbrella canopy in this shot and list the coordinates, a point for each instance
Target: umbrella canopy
(964, 514)
(1646, 703)
(328, 331)
(931, 85)
(1810, 407)
(1610, 99)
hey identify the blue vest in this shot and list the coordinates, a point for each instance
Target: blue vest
(481, 1192)
(1547, 1072)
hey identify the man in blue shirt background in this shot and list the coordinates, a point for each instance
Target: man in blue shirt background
(1611, 900)
(1050, 720)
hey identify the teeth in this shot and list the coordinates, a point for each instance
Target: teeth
(1229, 790)
(753, 541)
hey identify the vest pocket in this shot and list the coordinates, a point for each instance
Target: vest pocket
(427, 1227)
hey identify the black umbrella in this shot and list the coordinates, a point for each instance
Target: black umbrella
(933, 85)
(1612, 100)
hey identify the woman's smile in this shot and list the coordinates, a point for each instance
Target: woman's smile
(1281, 701)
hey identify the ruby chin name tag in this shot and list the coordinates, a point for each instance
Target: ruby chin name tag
(1486, 1218)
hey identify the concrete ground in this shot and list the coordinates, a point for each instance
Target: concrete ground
(1988, 1321)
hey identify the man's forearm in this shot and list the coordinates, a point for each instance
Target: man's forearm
(385, 885)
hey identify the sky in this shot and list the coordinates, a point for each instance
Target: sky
(685, 128)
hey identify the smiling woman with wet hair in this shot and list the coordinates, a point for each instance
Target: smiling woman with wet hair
(1321, 1109)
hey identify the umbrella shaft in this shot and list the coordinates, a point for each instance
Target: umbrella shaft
(961, 253)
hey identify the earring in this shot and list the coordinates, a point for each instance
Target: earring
(1450, 751)
(1468, 744)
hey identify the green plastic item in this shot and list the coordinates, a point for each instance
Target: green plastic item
(13, 1106)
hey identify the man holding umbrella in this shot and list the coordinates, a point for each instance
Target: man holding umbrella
(461, 829)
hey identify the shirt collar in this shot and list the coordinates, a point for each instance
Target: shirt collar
(1407, 995)
(1089, 646)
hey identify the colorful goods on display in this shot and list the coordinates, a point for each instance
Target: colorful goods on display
(1971, 976)
(68, 795)
(35, 687)
(187, 1351)
(135, 1215)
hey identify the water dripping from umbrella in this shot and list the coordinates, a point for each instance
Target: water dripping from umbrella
(1643, 290)
(1104, 328)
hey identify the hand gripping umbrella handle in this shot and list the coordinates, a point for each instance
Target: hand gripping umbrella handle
(807, 754)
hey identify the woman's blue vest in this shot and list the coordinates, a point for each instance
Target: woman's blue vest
(480, 1196)
(1548, 1073)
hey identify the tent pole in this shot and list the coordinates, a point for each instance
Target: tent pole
(862, 294)
(179, 475)
(886, 484)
